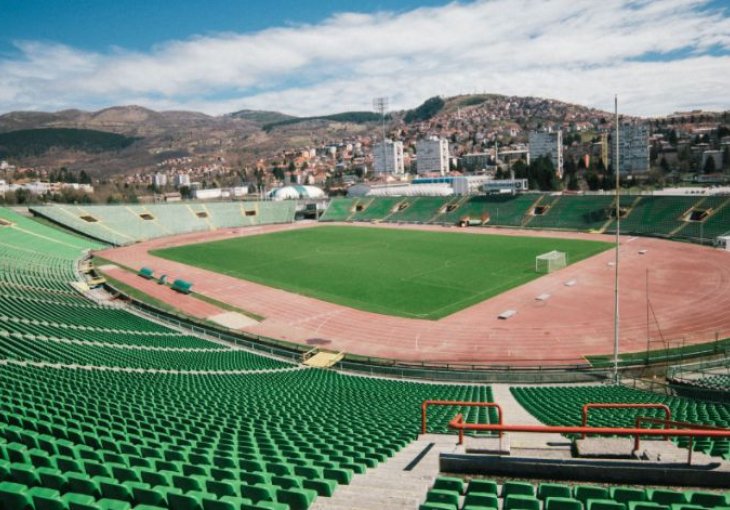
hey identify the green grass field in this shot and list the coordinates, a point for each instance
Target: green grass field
(400, 272)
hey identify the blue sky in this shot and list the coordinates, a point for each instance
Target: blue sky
(140, 24)
(311, 57)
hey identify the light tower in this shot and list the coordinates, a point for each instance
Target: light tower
(616, 317)
(380, 105)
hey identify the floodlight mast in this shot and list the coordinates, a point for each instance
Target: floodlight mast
(380, 104)
(618, 228)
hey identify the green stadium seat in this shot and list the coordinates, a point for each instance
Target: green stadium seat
(76, 501)
(604, 504)
(264, 505)
(191, 500)
(24, 474)
(585, 492)
(646, 505)
(483, 486)
(449, 483)
(667, 497)
(113, 504)
(627, 494)
(14, 496)
(709, 499)
(46, 499)
(554, 490)
(560, 503)
(82, 484)
(259, 492)
(52, 478)
(321, 486)
(225, 503)
(517, 488)
(521, 502)
(430, 505)
(297, 499)
(481, 500)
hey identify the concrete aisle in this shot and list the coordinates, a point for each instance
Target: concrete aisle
(515, 414)
(399, 483)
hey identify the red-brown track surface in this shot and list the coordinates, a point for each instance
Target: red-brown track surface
(689, 292)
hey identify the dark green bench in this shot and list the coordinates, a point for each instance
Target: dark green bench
(146, 273)
(182, 286)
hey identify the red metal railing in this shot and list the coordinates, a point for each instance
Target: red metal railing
(427, 403)
(595, 405)
(684, 424)
(458, 423)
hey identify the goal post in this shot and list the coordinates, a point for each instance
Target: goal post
(550, 261)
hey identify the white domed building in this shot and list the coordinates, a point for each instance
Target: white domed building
(296, 192)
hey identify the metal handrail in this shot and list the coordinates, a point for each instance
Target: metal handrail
(623, 405)
(685, 424)
(458, 423)
(427, 403)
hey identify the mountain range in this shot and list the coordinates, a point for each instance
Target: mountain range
(245, 136)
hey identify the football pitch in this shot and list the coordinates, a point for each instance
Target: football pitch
(408, 273)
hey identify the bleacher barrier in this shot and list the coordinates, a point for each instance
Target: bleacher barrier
(126, 224)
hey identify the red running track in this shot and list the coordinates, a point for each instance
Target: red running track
(689, 289)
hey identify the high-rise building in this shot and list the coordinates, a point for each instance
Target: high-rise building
(633, 141)
(604, 148)
(548, 144)
(160, 180)
(390, 159)
(432, 156)
(181, 180)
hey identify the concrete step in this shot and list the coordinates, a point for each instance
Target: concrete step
(399, 483)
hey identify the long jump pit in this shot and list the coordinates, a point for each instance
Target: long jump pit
(560, 318)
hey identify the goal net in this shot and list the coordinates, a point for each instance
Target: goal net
(550, 261)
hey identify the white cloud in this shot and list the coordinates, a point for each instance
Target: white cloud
(575, 50)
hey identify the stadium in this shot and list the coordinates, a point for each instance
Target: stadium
(397, 352)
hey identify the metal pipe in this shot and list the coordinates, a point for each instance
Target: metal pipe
(624, 405)
(427, 403)
(618, 229)
(458, 423)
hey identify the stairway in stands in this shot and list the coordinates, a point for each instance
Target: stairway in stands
(400, 482)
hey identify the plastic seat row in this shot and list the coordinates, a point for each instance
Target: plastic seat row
(563, 406)
(26, 349)
(304, 432)
(124, 224)
(452, 493)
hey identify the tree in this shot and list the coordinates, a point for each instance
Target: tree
(22, 196)
(594, 183)
(673, 138)
(541, 174)
(664, 165)
(520, 169)
(426, 111)
(278, 173)
(573, 182)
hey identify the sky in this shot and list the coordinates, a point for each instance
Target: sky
(313, 57)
